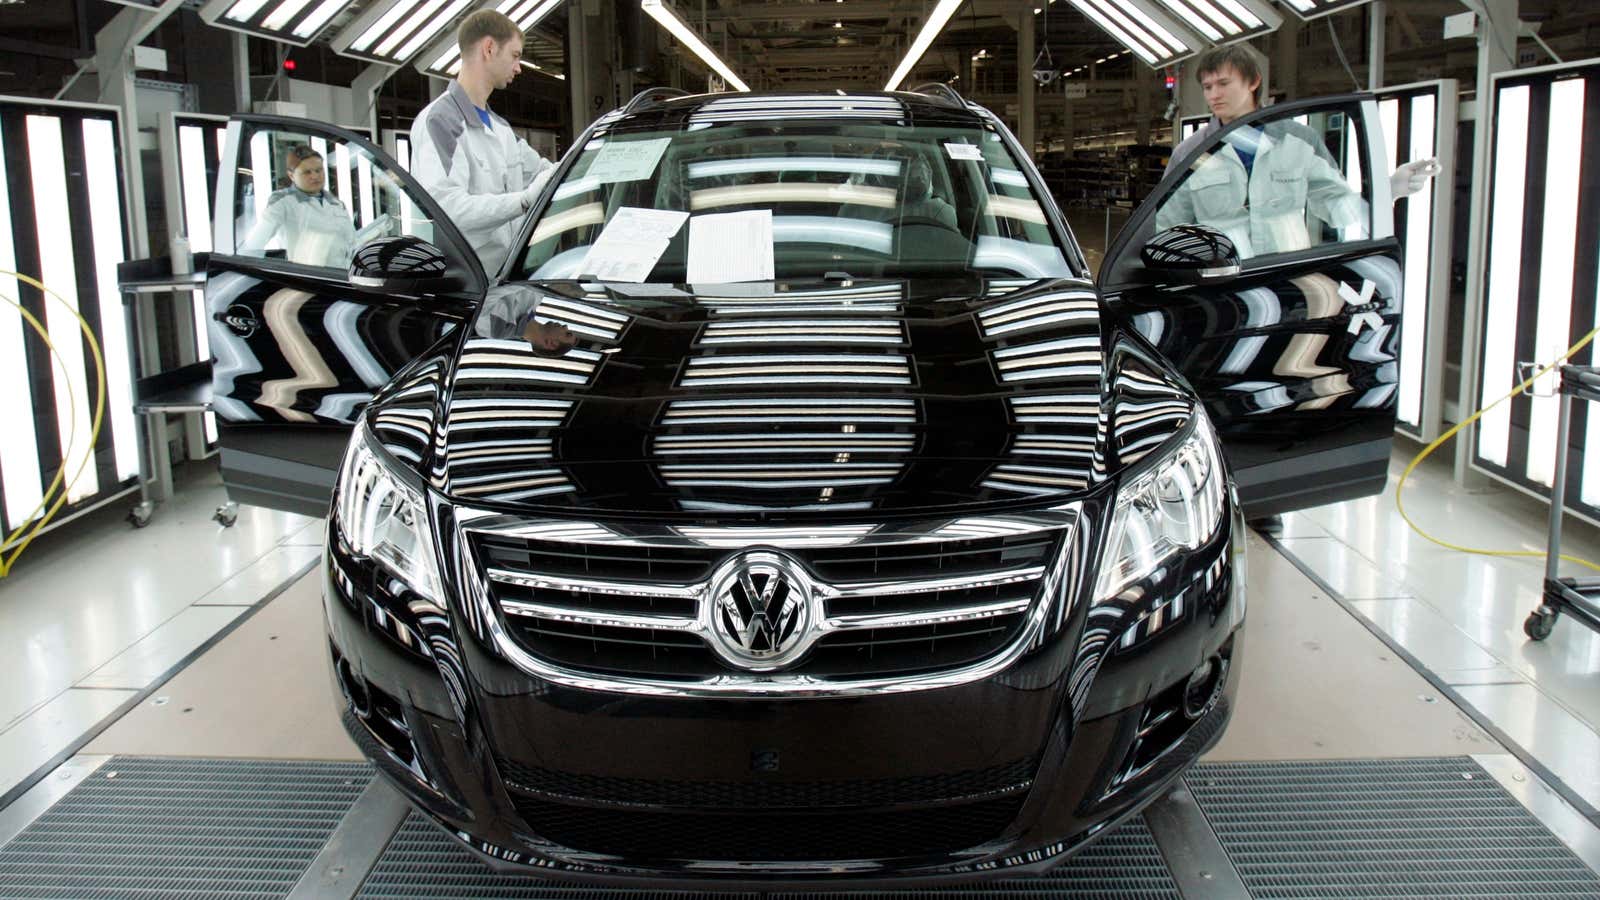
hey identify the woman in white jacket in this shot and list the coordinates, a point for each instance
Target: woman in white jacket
(313, 225)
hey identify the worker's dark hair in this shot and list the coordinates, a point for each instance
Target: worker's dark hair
(485, 23)
(1239, 56)
(298, 154)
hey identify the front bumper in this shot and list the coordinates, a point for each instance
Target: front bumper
(1010, 773)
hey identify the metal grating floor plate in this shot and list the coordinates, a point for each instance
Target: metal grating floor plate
(424, 862)
(1392, 829)
(155, 827)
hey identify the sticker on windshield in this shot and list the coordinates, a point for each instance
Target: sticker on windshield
(730, 247)
(627, 160)
(631, 244)
(964, 151)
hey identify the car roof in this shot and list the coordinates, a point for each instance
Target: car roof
(906, 107)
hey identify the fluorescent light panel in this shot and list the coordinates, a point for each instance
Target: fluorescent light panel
(443, 59)
(1222, 21)
(290, 21)
(105, 225)
(1505, 272)
(1418, 259)
(930, 29)
(19, 448)
(1553, 330)
(1149, 33)
(689, 39)
(1311, 9)
(58, 270)
(392, 31)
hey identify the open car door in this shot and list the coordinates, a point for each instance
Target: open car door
(299, 347)
(1283, 308)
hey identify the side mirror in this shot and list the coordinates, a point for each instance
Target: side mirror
(1191, 254)
(404, 265)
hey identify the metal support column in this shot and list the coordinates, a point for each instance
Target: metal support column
(1377, 40)
(241, 72)
(1286, 44)
(365, 88)
(1026, 89)
(1497, 44)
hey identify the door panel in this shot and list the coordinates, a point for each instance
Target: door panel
(299, 351)
(1297, 357)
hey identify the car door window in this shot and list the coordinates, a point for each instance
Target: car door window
(313, 199)
(1278, 185)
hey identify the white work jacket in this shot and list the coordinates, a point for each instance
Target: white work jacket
(315, 229)
(478, 173)
(1264, 209)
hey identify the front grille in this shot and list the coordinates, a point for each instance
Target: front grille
(764, 795)
(764, 836)
(620, 609)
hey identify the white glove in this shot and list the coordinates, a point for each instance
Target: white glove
(1412, 177)
(531, 192)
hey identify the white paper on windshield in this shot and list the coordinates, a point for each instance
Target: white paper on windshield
(631, 244)
(964, 151)
(627, 160)
(730, 247)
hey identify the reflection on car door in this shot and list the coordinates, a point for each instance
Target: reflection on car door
(299, 350)
(1296, 357)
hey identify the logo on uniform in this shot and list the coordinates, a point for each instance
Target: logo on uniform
(760, 611)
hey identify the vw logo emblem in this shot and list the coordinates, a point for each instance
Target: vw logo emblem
(758, 612)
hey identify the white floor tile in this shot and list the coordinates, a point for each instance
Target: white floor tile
(163, 648)
(50, 729)
(1344, 569)
(1495, 675)
(263, 576)
(1554, 737)
(312, 535)
(1426, 634)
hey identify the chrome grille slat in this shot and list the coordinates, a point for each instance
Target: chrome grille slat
(596, 585)
(911, 620)
(954, 583)
(608, 620)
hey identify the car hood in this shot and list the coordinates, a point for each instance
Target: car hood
(826, 397)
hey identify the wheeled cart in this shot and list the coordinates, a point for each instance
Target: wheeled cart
(1578, 598)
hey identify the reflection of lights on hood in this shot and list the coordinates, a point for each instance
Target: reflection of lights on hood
(583, 318)
(846, 165)
(1035, 312)
(1148, 412)
(788, 475)
(496, 362)
(1035, 479)
(777, 192)
(793, 538)
(499, 415)
(816, 331)
(798, 368)
(519, 485)
(829, 411)
(1082, 410)
(1000, 287)
(1064, 358)
(817, 442)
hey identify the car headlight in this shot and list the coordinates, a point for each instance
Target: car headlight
(1171, 507)
(383, 518)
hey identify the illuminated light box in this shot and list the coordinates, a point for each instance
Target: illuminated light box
(295, 22)
(394, 31)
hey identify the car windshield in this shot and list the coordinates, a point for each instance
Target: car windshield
(730, 202)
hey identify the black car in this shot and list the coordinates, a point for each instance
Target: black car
(857, 534)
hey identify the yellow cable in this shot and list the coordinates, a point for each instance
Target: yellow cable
(31, 525)
(1399, 498)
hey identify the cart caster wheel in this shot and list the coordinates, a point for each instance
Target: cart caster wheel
(1540, 623)
(226, 515)
(139, 517)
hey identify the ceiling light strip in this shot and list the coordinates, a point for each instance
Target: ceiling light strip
(688, 38)
(105, 229)
(930, 29)
(19, 448)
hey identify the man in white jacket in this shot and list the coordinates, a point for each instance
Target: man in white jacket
(467, 157)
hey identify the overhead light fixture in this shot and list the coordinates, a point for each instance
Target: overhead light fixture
(1152, 35)
(393, 31)
(1222, 21)
(291, 21)
(443, 58)
(543, 71)
(688, 38)
(1311, 9)
(930, 29)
